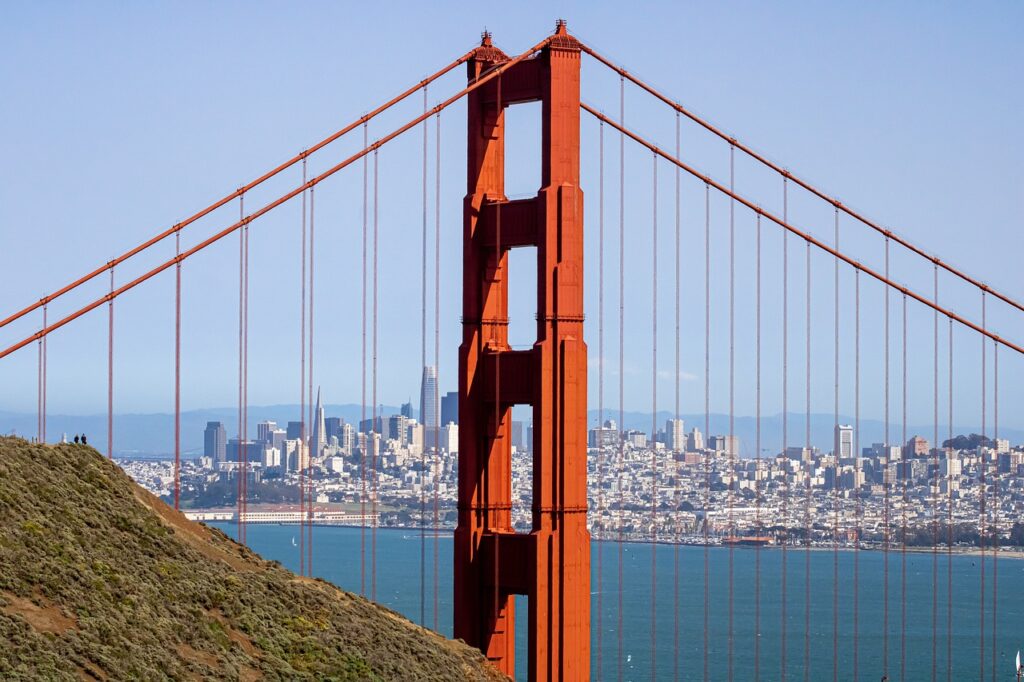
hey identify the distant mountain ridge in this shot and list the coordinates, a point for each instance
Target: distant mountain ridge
(151, 435)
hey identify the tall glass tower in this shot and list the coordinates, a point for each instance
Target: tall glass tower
(428, 398)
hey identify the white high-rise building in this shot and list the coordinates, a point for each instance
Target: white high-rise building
(675, 435)
(695, 441)
(843, 447)
(450, 438)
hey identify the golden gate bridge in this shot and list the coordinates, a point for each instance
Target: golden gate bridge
(551, 565)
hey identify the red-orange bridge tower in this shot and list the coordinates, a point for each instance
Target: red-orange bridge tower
(550, 564)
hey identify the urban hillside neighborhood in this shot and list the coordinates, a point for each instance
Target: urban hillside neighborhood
(676, 485)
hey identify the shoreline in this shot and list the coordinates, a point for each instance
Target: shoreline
(1015, 553)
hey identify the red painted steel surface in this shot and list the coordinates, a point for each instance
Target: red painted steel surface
(551, 564)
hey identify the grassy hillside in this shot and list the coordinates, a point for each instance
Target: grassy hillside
(99, 580)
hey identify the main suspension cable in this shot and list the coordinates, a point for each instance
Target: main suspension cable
(480, 82)
(786, 174)
(807, 237)
(177, 227)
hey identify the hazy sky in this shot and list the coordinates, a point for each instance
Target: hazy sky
(121, 119)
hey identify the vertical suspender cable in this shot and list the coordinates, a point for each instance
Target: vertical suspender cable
(731, 442)
(707, 420)
(906, 471)
(835, 474)
(304, 439)
(177, 372)
(676, 433)
(934, 478)
(757, 451)
(110, 369)
(654, 417)
(373, 410)
(807, 479)
(244, 447)
(423, 363)
(600, 396)
(42, 381)
(995, 500)
(437, 343)
(981, 501)
(857, 474)
(39, 389)
(364, 432)
(949, 522)
(315, 450)
(245, 388)
(785, 426)
(622, 339)
(240, 487)
(45, 343)
(886, 482)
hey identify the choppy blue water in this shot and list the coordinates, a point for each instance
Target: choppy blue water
(337, 552)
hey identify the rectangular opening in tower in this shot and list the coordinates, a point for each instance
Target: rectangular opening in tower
(522, 150)
(522, 469)
(522, 297)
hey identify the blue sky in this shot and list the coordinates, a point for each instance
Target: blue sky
(121, 119)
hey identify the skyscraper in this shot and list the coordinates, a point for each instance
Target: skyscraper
(675, 435)
(843, 447)
(263, 431)
(215, 441)
(333, 427)
(428, 398)
(450, 408)
(319, 429)
(407, 410)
